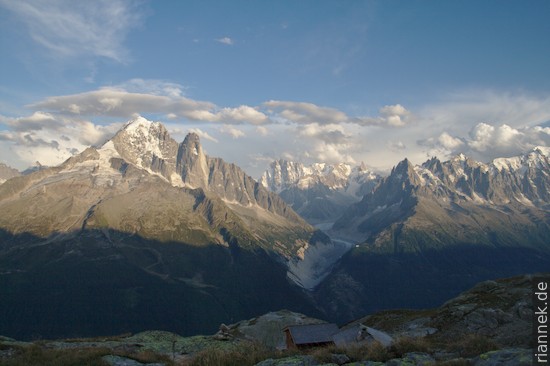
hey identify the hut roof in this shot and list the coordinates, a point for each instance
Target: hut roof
(350, 335)
(312, 333)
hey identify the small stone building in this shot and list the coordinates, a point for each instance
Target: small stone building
(361, 334)
(309, 336)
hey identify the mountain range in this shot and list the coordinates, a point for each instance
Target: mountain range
(428, 230)
(144, 232)
(319, 192)
(143, 224)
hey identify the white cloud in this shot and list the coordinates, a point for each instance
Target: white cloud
(231, 131)
(449, 142)
(225, 40)
(504, 140)
(485, 142)
(52, 139)
(396, 145)
(390, 116)
(331, 133)
(329, 143)
(120, 103)
(331, 153)
(471, 107)
(203, 135)
(36, 121)
(148, 96)
(78, 28)
(262, 130)
(240, 114)
(305, 113)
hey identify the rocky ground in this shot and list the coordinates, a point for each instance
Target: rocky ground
(487, 325)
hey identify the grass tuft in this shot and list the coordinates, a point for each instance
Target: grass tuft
(473, 345)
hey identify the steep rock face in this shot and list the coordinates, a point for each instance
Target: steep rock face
(428, 232)
(143, 154)
(148, 145)
(192, 163)
(319, 192)
(458, 201)
(142, 218)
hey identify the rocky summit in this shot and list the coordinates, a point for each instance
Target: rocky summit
(143, 224)
(319, 192)
(431, 231)
(144, 232)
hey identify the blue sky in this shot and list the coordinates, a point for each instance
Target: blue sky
(372, 81)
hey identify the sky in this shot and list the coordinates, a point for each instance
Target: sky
(309, 81)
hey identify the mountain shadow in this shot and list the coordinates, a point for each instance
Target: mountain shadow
(365, 282)
(104, 282)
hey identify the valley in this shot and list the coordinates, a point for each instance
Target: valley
(145, 233)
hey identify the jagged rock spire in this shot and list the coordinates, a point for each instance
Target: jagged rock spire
(191, 162)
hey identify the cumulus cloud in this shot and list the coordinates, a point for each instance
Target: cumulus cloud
(390, 116)
(148, 97)
(240, 114)
(449, 142)
(262, 131)
(225, 40)
(331, 153)
(231, 131)
(485, 141)
(331, 133)
(305, 113)
(504, 140)
(52, 139)
(36, 121)
(329, 143)
(120, 103)
(203, 135)
(78, 28)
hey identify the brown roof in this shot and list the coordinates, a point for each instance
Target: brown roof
(312, 333)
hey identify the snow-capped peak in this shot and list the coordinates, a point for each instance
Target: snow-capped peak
(537, 157)
(545, 150)
(138, 122)
(460, 157)
(284, 174)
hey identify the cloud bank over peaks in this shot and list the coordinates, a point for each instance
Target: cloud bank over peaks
(167, 100)
(155, 98)
(486, 142)
(389, 116)
(309, 132)
(330, 143)
(231, 131)
(305, 113)
(51, 139)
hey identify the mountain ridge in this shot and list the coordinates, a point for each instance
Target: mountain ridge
(7, 172)
(434, 229)
(319, 192)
